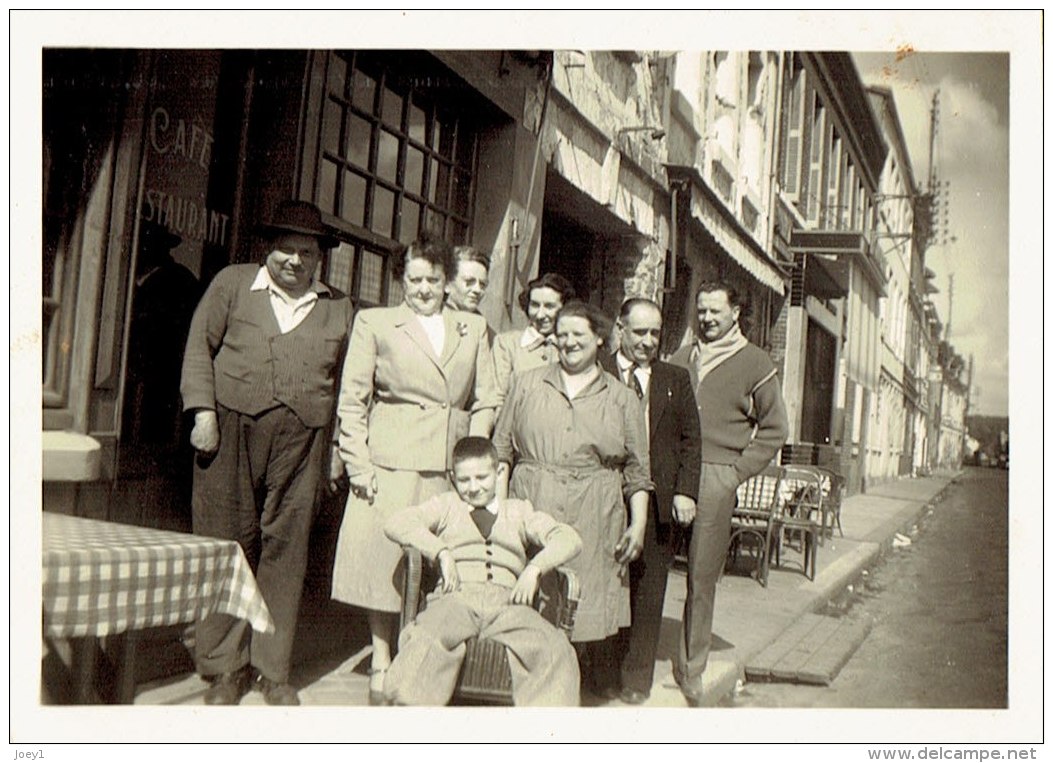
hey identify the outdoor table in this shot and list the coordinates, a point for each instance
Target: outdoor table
(102, 579)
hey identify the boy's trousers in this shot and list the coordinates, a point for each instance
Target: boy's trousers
(431, 649)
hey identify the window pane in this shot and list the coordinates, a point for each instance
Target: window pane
(465, 147)
(337, 75)
(446, 141)
(436, 134)
(387, 156)
(327, 187)
(331, 127)
(462, 188)
(442, 185)
(410, 221)
(383, 210)
(395, 291)
(415, 123)
(353, 202)
(363, 91)
(435, 221)
(433, 177)
(358, 141)
(392, 109)
(414, 170)
(371, 272)
(458, 232)
(340, 267)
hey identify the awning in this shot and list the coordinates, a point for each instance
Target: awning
(826, 276)
(728, 232)
(844, 246)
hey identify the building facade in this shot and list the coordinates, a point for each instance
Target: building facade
(831, 156)
(895, 438)
(722, 127)
(954, 406)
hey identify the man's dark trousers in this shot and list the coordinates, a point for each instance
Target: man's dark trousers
(259, 489)
(638, 645)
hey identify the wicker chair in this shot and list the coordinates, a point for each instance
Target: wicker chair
(833, 495)
(755, 519)
(802, 497)
(485, 677)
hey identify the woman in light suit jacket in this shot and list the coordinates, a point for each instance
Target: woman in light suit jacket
(416, 378)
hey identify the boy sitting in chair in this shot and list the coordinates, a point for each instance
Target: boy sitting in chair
(486, 590)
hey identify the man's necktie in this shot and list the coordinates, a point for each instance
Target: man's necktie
(484, 519)
(634, 381)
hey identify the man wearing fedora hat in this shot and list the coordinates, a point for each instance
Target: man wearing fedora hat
(259, 374)
(166, 294)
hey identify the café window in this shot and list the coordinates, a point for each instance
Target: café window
(394, 160)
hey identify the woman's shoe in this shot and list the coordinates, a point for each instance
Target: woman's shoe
(377, 697)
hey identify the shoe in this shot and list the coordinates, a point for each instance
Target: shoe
(377, 697)
(692, 690)
(229, 688)
(609, 692)
(275, 693)
(633, 697)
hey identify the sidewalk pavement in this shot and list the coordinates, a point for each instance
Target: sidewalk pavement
(334, 643)
(748, 616)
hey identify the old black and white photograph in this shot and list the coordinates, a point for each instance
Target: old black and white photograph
(651, 368)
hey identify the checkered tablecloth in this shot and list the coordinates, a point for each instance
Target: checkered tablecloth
(102, 578)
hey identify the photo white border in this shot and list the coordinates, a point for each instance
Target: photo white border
(1019, 33)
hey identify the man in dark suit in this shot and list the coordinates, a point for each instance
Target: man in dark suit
(263, 356)
(675, 445)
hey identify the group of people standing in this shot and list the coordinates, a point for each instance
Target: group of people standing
(616, 448)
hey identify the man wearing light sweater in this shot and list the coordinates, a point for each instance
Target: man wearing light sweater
(744, 425)
(486, 589)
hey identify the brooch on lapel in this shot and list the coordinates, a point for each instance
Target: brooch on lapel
(462, 329)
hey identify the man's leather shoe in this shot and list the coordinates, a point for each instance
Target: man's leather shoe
(275, 693)
(692, 690)
(228, 688)
(633, 697)
(692, 693)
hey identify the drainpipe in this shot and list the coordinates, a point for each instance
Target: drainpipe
(674, 235)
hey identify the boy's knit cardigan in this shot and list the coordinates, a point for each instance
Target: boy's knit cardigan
(445, 521)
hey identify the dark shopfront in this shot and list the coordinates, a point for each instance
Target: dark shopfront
(140, 177)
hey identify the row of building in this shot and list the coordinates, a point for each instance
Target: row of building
(632, 173)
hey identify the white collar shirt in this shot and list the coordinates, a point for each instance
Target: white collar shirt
(290, 312)
(643, 375)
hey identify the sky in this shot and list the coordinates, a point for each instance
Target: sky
(971, 152)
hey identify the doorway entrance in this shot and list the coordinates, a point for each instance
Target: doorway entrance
(184, 238)
(819, 373)
(585, 243)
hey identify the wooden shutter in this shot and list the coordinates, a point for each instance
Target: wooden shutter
(833, 167)
(812, 187)
(794, 132)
